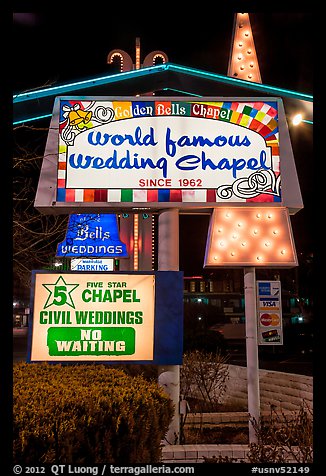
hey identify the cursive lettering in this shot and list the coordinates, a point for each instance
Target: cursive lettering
(114, 162)
(192, 162)
(218, 141)
(99, 138)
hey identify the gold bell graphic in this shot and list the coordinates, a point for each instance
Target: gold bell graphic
(77, 115)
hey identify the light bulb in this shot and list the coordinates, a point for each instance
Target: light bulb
(297, 119)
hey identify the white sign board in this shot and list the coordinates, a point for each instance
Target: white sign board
(91, 317)
(115, 153)
(84, 264)
(168, 153)
(134, 317)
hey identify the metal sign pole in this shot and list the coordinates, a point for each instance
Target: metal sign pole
(168, 260)
(252, 351)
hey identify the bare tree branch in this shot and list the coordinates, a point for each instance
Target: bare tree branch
(35, 236)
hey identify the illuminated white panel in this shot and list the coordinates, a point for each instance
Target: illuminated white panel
(253, 236)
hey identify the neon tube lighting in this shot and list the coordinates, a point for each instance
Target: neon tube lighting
(247, 84)
(66, 88)
(183, 92)
(36, 118)
(89, 83)
(153, 69)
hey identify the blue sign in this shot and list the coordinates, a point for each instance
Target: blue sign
(264, 288)
(92, 235)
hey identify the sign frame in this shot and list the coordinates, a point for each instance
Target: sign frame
(167, 332)
(46, 196)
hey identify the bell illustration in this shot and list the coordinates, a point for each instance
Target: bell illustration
(78, 116)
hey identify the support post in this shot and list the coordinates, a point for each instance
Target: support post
(168, 260)
(252, 350)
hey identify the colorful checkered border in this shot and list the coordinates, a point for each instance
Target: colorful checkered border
(261, 117)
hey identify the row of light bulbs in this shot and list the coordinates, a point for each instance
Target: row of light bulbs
(244, 49)
(240, 56)
(249, 236)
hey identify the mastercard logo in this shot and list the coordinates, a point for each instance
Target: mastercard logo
(270, 319)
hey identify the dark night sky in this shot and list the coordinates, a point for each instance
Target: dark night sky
(54, 48)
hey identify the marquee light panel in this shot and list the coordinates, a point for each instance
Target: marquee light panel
(251, 236)
(243, 62)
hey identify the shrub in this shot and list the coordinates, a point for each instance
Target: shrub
(86, 414)
(204, 375)
(149, 372)
(282, 437)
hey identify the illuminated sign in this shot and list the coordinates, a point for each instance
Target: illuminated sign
(92, 235)
(107, 317)
(154, 152)
(269, 313)
(250, 236)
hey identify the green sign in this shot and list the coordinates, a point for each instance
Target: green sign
(76, 341)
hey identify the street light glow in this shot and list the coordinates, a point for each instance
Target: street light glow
(297, 119)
